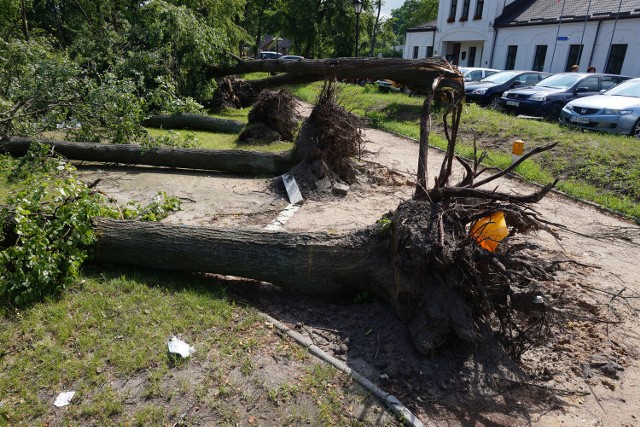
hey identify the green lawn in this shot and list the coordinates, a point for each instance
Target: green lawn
(601, 168)
(107, 338)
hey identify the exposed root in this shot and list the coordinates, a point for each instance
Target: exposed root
(278, 111)
(330, 138)
(232, 93)
(448, 284)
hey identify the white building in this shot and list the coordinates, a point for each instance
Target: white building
(541, 35)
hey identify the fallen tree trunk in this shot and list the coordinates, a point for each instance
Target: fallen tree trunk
(228, 161)
(417, 74)
(194, 122)
(309, 262)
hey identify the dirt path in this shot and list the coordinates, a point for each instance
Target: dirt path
(588, 376)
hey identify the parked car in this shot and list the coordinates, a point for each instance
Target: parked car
(547, 97)
(291, 58)
(488, 91)
(615, 111)
(471, 74)
(387, 85)
(265, 54)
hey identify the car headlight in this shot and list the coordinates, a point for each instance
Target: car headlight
(568, 107)
(479, 91)
(506, 93)
(615, 112)
(538, 97)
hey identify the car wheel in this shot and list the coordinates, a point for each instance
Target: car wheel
(494, 104)
(635, 132)
(553, 113)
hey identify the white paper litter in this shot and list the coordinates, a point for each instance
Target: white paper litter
(177, 346)
(64, 398)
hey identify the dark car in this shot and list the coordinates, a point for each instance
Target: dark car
(489, 90)
(546, 98)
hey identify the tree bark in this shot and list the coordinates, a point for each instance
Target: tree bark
(308, 262)
(228, 161)
(194, 122)
(417, 75)
(24, 22)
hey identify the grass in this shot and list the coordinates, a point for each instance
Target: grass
(221, 141)
(601, 168)
(110, 326)
(106, 338)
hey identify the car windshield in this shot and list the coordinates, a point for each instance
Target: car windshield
(500, 78)
(559, 81)
(628, 88)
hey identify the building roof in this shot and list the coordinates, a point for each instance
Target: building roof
(269, 42)
(534, 12)
(429, 26)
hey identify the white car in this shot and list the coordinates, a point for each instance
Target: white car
(266, 54)
(471, 74)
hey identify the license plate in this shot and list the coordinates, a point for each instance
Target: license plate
(513, 103)
(578, 119)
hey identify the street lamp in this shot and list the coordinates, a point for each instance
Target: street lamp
(357, 7)
(277, 39)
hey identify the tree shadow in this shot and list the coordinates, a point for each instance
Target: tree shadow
(457, 385)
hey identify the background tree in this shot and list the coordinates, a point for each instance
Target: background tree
(411, 14)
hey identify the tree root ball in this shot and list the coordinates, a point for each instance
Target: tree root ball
(446, 285)
(277, 110)
(330, 138)
(232, 93)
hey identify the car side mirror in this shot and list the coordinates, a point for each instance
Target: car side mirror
(582, 89)
(602, 91)
(517, 83)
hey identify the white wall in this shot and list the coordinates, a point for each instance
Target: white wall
(526, 38)
(480, 33)
(421, 39)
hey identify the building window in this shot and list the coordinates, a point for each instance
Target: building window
(429, 51)
(479, 7)
(465, 10)
(472, 57)
(415, 52)
(538, 59)
(452, 11)
(512, 50)
(575, 53)
(616, 58)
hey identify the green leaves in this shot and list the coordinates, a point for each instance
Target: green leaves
(46, 230)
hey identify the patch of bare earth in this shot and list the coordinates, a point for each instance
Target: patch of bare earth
(583, 371)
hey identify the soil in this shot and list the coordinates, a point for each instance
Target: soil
(583, 372)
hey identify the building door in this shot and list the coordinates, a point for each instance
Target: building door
(456, 53)
(472, 57)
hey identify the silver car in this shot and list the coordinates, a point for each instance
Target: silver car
(616, 111)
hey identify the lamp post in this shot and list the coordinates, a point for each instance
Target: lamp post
(277, 39)
(357, 7)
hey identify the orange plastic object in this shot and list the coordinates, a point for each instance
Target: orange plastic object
(518, 147)
(490, 230)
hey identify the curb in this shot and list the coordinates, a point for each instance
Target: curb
(401, 411)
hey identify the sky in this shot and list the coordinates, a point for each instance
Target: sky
(389, 5)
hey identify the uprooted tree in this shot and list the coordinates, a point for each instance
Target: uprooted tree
(422, 259)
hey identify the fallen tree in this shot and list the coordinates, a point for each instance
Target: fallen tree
(416, 74)
(430, 259)
(425, 259)
(193, 122)
(228, 161)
